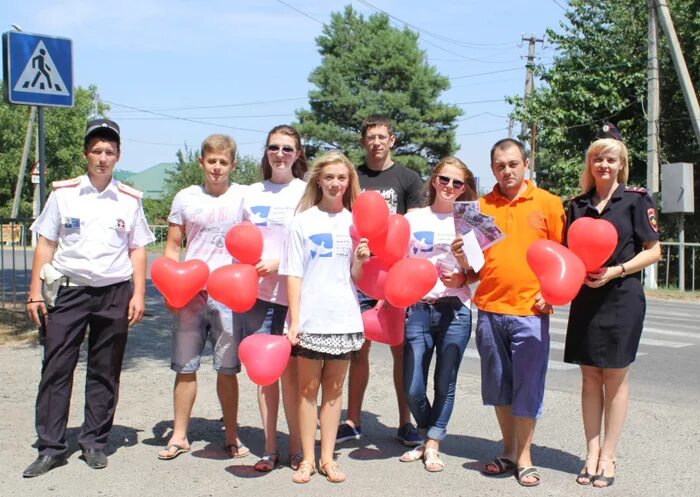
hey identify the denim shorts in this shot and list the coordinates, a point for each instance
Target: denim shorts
(200, 320)
(265, 317)
(514, 353)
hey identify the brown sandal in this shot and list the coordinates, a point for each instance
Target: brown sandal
(332, 472)
(303, 474)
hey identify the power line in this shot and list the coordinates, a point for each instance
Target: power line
(179, 118)
(204, 117)
(301, 12)
(220, 106)
(560, 5)
(482, 132)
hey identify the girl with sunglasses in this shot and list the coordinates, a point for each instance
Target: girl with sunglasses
(270, 205)
(440, 323)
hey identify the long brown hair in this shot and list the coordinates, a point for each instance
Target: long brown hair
(299, 166)
(469, 192)
(313, 193)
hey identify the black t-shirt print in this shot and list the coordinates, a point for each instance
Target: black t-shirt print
(400, 186)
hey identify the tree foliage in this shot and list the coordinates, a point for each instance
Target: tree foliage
(599, 74)
(64, 128)
(370, 67)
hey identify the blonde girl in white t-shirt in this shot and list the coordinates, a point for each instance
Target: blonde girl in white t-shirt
(270, 205)
(325, 323)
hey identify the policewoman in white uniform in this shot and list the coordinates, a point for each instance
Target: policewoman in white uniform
(91, 258)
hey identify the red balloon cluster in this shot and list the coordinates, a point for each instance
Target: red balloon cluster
(561, 271)
(388, 236)
(384, 323)
(179, 282)
(265, 357)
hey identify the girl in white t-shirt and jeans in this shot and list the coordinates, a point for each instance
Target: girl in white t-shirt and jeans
(270, 205)
(440, 322)
(325, 323)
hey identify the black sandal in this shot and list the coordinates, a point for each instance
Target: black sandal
(607, 480)
(584, 477)
(503, 464)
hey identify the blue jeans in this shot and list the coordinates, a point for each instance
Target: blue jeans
(443, 327)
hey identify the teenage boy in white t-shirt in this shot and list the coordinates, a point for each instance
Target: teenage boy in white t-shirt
(203, 214)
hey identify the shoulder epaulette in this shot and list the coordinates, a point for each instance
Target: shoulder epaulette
(635, 189)
(65, 183)
(129, 190)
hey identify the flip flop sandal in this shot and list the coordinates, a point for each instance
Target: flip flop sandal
(503, 464)
(268, 462)
(523, 472)
(431, 457)
(179, 449)
(413, 455)
(236, 451)
(607, 480)
(303, 474)
(332, 472)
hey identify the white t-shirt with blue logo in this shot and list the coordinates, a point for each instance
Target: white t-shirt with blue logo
(319, 250)
(431, 237)
(271, 207)
(207, 219)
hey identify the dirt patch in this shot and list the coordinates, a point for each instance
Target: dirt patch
(664, 294)
(15, 327)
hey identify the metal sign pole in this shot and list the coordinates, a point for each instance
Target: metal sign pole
(42, 159)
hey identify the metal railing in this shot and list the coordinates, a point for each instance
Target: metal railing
(676, 271)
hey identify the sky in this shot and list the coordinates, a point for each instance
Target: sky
(175, 71)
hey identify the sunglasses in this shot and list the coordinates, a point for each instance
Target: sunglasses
(445, 181)
(286, 149)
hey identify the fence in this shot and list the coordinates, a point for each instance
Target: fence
(16, 256)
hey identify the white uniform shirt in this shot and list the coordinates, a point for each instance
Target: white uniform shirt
(207, 219)
(319, 250)
(431, 237)
(271, 207)
(94, 230)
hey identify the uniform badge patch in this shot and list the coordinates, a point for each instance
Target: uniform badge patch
(651, 214)
(71, 223)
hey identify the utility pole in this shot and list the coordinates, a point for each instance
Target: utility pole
(653, 108)
(691, 99)
(529, 86)
(23, 164)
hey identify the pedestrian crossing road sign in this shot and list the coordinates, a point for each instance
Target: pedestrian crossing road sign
(38, 69)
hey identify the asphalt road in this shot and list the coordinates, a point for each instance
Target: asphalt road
(656, 457)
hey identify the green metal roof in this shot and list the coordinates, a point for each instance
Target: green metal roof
(150, 181)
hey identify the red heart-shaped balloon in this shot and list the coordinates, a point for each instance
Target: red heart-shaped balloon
(373, 278)
(265, 357)
(409, 280)
(177, 281)
(235, 286)
(370, 214)
(245, 243)
(593, 240)
(391, 245)
(384, 323)
(559, 271)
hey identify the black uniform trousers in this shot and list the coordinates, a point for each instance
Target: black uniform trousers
(105, 311)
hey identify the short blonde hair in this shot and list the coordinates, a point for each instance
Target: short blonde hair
(219, 143)
(598, 147)
(313, 194)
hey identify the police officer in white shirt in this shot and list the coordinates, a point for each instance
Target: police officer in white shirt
(89, 271)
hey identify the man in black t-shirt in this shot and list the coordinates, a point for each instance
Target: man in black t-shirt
(401, 188)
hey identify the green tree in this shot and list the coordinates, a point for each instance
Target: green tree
(189, 172)
(370, 67)
(64, 128)
(599, 74)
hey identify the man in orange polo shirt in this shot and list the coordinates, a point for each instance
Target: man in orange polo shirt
(512, 332)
